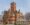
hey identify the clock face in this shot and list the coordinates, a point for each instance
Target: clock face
(13, 14)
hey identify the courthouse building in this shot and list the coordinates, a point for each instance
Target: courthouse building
(12, 15)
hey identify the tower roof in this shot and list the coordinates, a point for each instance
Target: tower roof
(13, 3)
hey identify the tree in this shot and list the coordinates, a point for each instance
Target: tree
(27, 16)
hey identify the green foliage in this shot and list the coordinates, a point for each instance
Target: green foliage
(20, 23)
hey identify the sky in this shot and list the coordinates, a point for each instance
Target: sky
(23, 5)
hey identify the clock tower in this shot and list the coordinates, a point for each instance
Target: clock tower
(13, 7)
